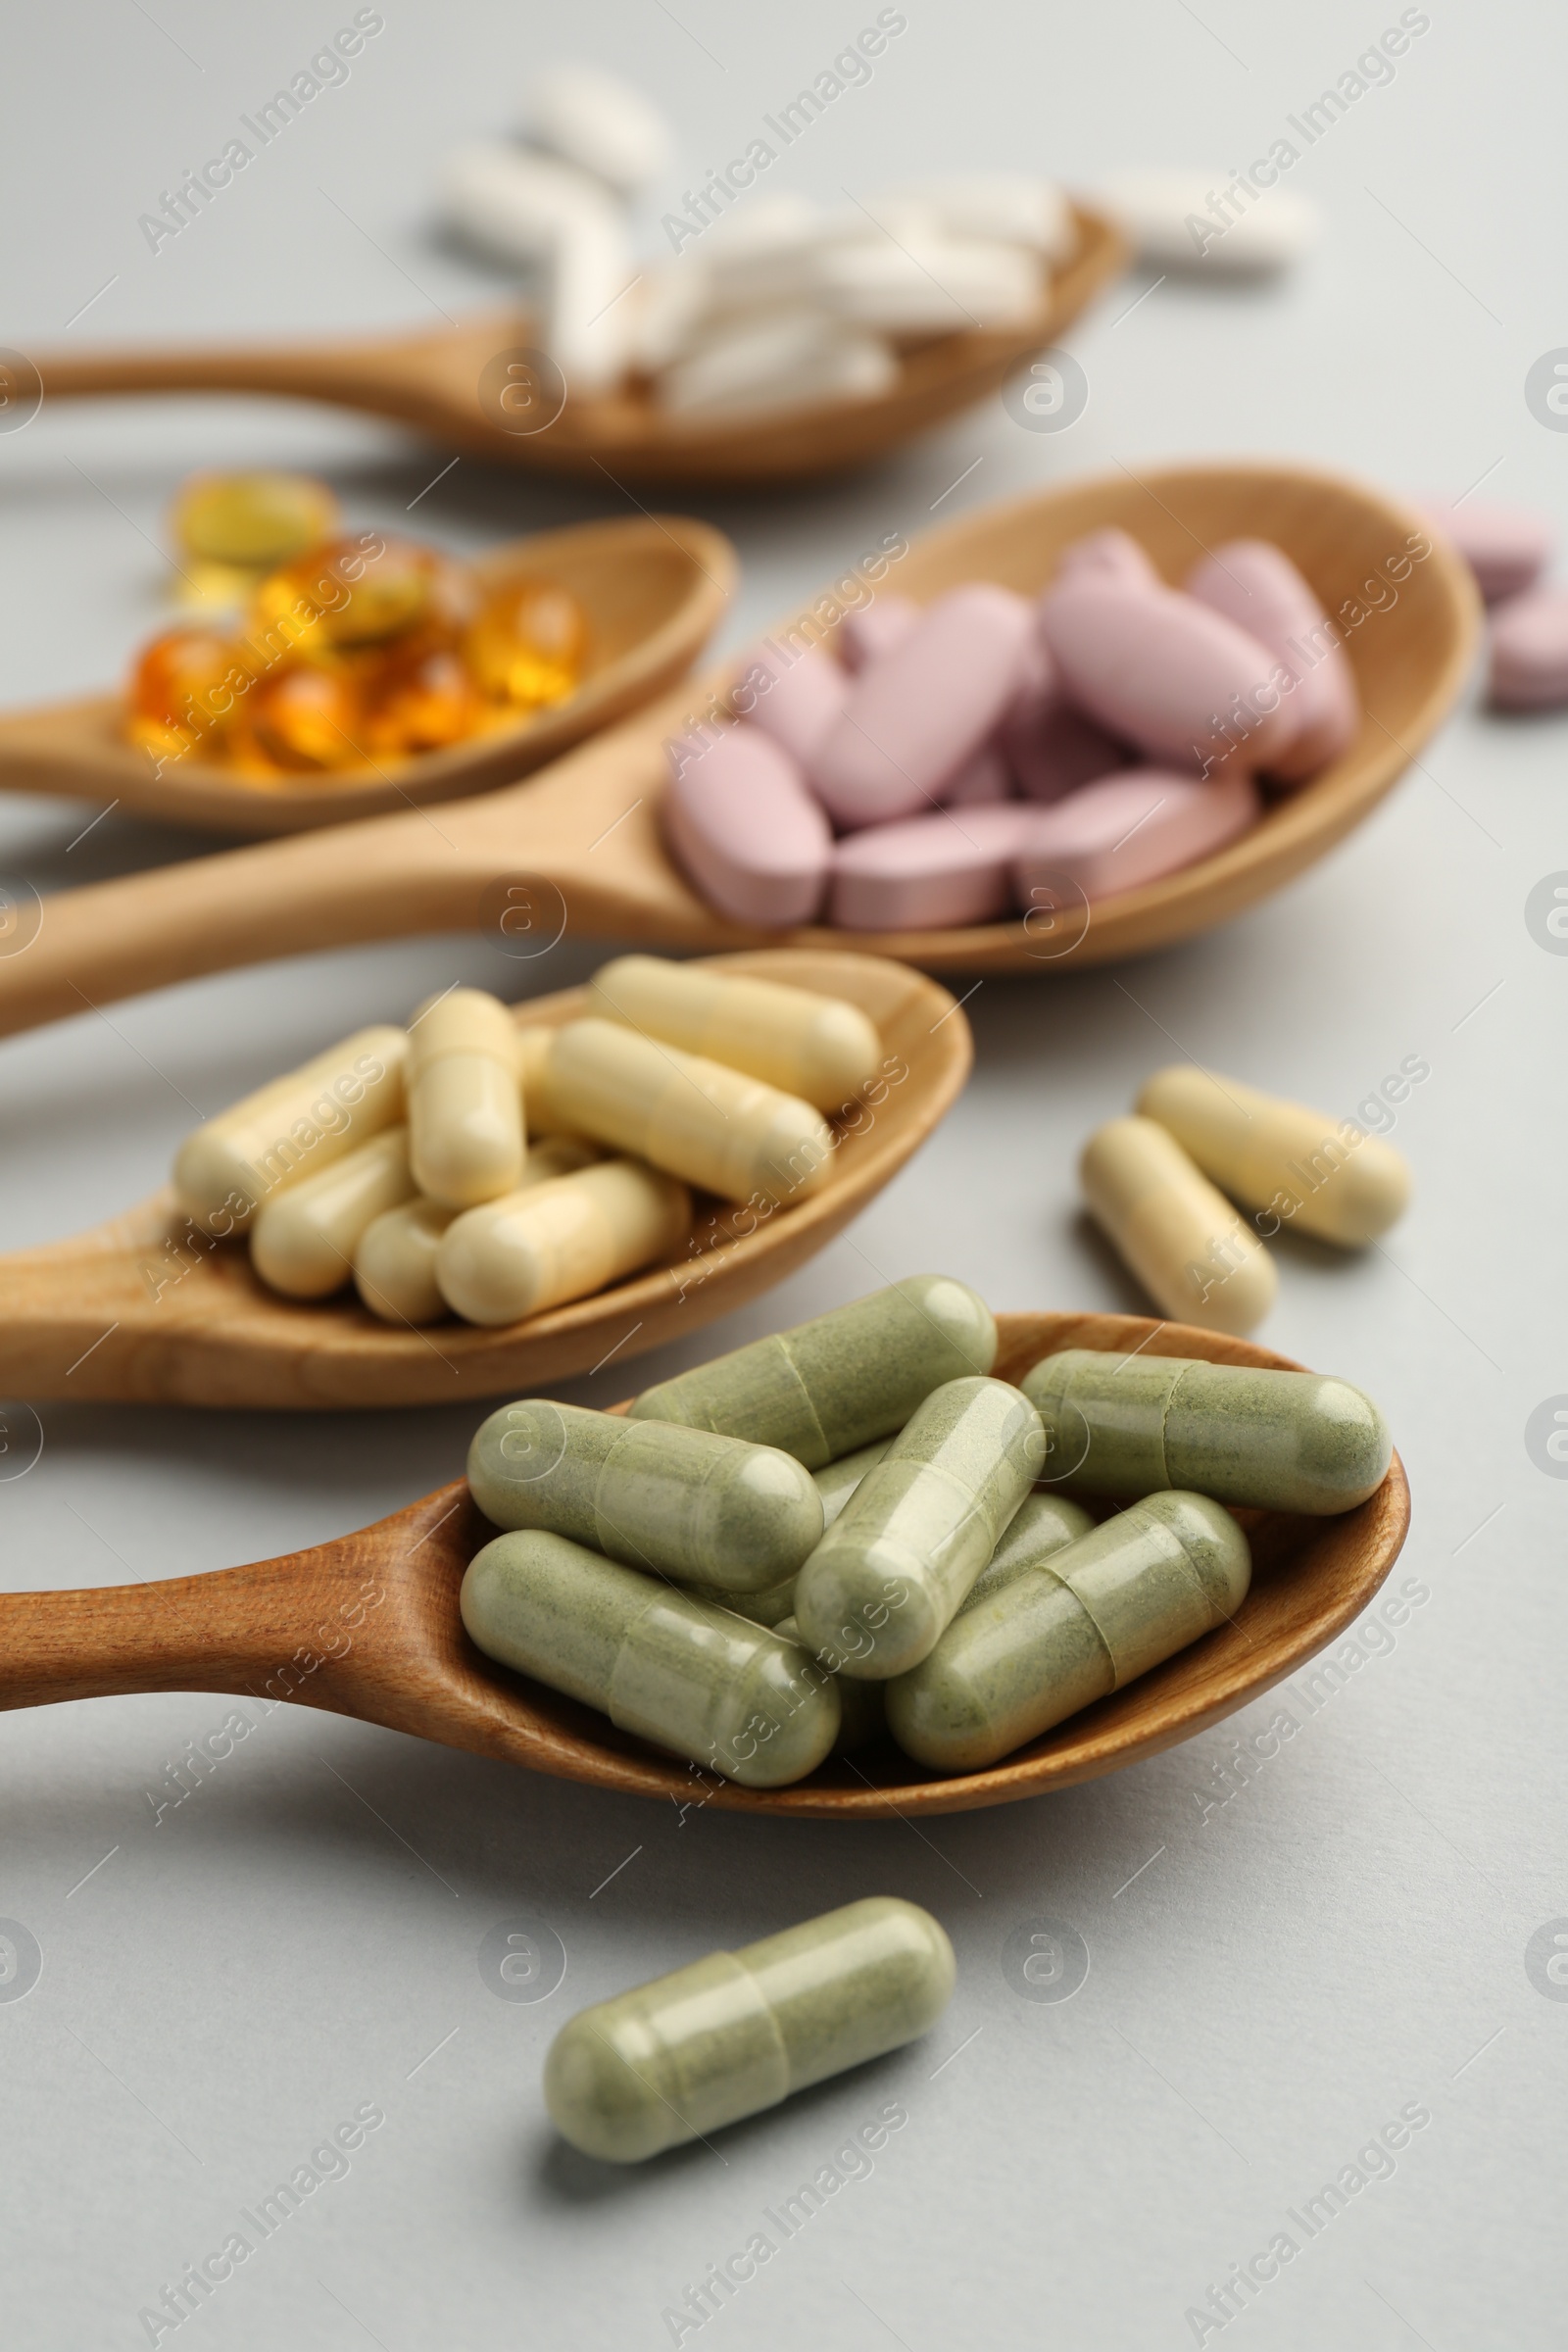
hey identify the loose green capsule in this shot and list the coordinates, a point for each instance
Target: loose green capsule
(1041, 1525)
(832, 1385)
(1125, 1426)
(835, 1484)
(694, 1679)
(1130, 1593)
(891, 1571)
(861, 1711)
(705, 1509)
(739, 2032)
(837, 1480)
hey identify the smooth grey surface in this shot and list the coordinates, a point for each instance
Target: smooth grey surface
(1260, 1982)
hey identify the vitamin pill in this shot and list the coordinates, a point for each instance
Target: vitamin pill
(353, 594)
(928, 285)
(1009, 208)
(1213, 221)
(700, 1680)
(1174, 678)
(890, 1572)
(738, 2032)
(831, 1386)
(1258, 588)
(1041, 1524)
(303, 1242)
(290, 1128)
(1123, 1598)
(529, 208)
(837, 1480)
(820, 1048)
(599, 123)
(1292, 1165)
(1131, 829)
(1196, 1258)
(861, 1711)
(792, 696)
(666, 307)
(182, 691)
(768, 1607)
(715, 1127)
(541, 1113)
(528, 643)
(796, 360)
(1109, 554)
(420, 698)
(682, 1502)
(739, 819)
(253, 520)
(1125, 1426)
(304, 719)
(466, 1131)
(913, 717)
(1529, 651)
(1508, 548)
(929, 872)
(395, 1263)
(550, 1243)
(871, 630)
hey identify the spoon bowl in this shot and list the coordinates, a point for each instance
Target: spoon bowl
(149, 1307)
(369, 1626)
(653, 589)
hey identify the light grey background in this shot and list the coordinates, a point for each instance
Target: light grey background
(1271, 1979)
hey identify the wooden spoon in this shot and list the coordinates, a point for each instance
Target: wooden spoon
(148, 1307)
(448, 386)
(583, 838)
(385, 1601)
(654, 588)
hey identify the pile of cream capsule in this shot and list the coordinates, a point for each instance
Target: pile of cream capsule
(402, 1160)
(777, 304)
(991, 754)
(1508, 550)
(844, 1527)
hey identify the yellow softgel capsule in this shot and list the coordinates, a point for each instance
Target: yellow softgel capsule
(528, 643)
(536, 1249)
(1287, 1164)
(1198, 1260)
(821, 1048)
(418, 700)
(465, 1125)
(303, 720)
(184, 691)
(252, 520)
(343, 600)
(290, 1129)
(303, 1242)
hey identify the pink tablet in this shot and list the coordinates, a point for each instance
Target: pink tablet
(1529, 651)
(928, 872)
(743, 826)
(795, 696)
(1131, 829)
(1256, 585)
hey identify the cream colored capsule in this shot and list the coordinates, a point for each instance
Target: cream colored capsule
(303, 1242)
(466, 1127)
(394, 1265)
(818, 1047)
(541, 1113)
(728, 1133)
(1292, 1165)
(1196, 1258)
(290, 1129)
(541, 1246)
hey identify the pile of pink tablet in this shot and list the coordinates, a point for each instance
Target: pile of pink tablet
(989, 754)
(1508, 548)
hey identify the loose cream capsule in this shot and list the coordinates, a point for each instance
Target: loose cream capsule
(697, 1680)
(395, 1263)
(1123, 1598)
(303, 1242)
(1128, 1425)
(1294, 1167)
(549, 1243)
(1196, 1258)
(1041, 1524)
(847, 1377)
(683, 1503)
(738, 2032)
(466, 1132)
(889, 1573)
(861, 1712)
(817, 1048)
(715, 1127)
(290, 1129)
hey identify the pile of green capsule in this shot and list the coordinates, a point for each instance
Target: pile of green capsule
(852, 1528)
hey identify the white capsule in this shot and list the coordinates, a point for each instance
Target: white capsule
(1009, 208)
(394, 1265)
(794, 361)
(303, 1242)
(587, 320)
(599, 123)
(1210, 221)
(1299, 1167)
(931, 285)
(1196, 1258)
(664, 313)
(290, 1129)
(465, 1125)
(564, 1239)
(818, 1047)
(515, 207)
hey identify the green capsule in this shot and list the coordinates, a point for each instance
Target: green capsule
(698, 1680)
(705, 1509)
(837, 1480)
(1130, 1425)
(1041, 1525)
(738, 2032)
(891, 1571)
(861, 1712)
(832, 1385)
(1132, 1592)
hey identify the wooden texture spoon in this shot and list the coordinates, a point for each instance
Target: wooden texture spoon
(449, 385)
(385, 1601)
(582, 841)
(149, 1308)
(654, 588)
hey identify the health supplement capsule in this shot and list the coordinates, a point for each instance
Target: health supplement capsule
(394, 1265)
(889, 1573)
(251, 519)
(1041, 1525)
(738, 2032)
(680, 1501)
(715, 1127)
(1198, 1260)
(1130, 1425)
(861, 1715)
(1121, 1599)
(700, 1680)
(837, 1480)
(1295, 1166)
(832, 1385)
(466, 1131)
(817, 1048)
(290, 1128)
(546, 1244)
(303, 1242)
